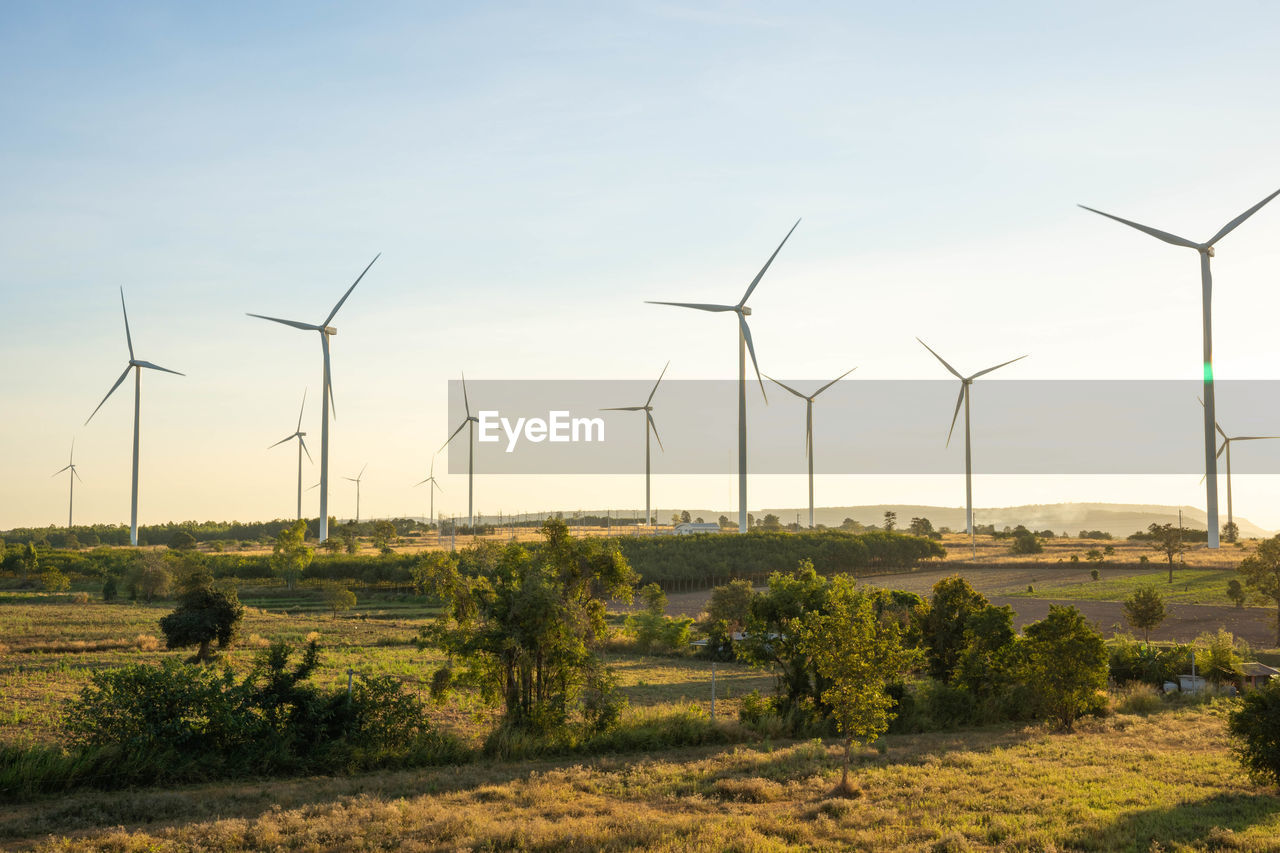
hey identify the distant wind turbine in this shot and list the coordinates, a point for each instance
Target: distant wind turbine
(71, 481)
(808, 424)
(1206, 297)
(356, 479)
(431, 478)
(963, 399)
(1226, 448)
(326, 392)
(135, 365)
(744, 346)
(302, 448)
(649, 425)
(470, 421)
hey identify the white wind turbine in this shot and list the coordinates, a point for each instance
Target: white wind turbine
(431, 478)
(71, 480)
(470, 421)
(963, 399)
(356, 479)
(302, 448)
(326, 393)
(135, 365)
(745, 346)
(808, 424)
(1206, 298)
(1226, 448)
(649, 425)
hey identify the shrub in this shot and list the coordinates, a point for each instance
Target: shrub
(110, 590)
(1255, 725)
(1067, 665)
(54, 581)
(203, 616)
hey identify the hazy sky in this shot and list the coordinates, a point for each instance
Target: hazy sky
(533, 172)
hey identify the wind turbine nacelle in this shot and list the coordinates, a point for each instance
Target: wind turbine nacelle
(746, 311)
(330, 331)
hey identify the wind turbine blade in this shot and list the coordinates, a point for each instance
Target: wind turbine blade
(76, 474)
(71, 457)
(808, 427)
(455, 434)
(997, 367)
(420, 482)
(751, 349)
(1154, 232)
(1254, 437)
(128, 337)
(302, 408)
(959, 401)
(1230, 226)
(112, 391)
(349, 289)
(306, 326)
(784, 385)
(151, 366)
(834, 381)
(316, 486)
(765, 268)
(303, 442)
(654, 425)
(656, 384)
(436, 485)
(1216, 425)
(954, 372)
(328, 376)
(466, 403)
(281, 441)
(624, 409)
(361, 474)
(59, 471)
(1221, 450)
(700, 306)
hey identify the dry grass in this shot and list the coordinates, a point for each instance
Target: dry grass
(1159, 782)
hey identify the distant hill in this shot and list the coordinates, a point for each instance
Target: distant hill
(1116, 519)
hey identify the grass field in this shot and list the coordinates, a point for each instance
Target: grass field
(1160, 782)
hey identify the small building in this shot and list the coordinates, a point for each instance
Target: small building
(690, 527)
(1257, 674)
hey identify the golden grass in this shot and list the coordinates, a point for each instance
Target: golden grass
(1159, 782)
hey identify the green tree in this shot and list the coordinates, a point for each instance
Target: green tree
(528, 627)
(890, 521)
(1167, 539)
(1217, 659)
(384, 533)
(771, 522)
(1144, 610)
(1261, 573)
(1025, 542)
(1230, 532)
(338, 598)
(183, 541)
(922, 527)
(724, 521)
(651, 626)
(204, 616)
(30, 560)
(1255, 726)
(54, 581)
(1235, 592)
(987, 665)
(943, 625)
(858, 655)
(1066, 664)
(148, 576)
(728, 609)
(290, 556)
(684, 517)
(350, 543)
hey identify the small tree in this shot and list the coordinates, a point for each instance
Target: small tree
(724, 521)
(684, 517)
(1066, 662)
(290, 556)
(1235, 592)
(384, 533)
(338, 598)
(1230, 531)
(1025, 542)
(921, 527)
(1167, 539)
(204, 616)
(183, 541)
(1261, 573)
(148, 577)
(890, 520)
(858, 655)
(1144, 610)
(943, 625)
(1093, 555)
(54, 581)
(30, 560)
(1255, 725)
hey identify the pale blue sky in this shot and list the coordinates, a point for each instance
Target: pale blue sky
(532, 172)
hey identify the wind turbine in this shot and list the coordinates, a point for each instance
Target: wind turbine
(744, 346)
(356, 479)
(649, 424)
(1206, 298)
(470, 422)
(963, 399)
(71, 480)
(431, 478)
(1226, 448)
(326, 392)
(302, 448)
(808, 424)
(136, 365)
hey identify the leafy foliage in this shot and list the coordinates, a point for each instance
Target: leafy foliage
(1255, 725)
(204, 616)
(943, 624)
(1144, 610)
(1261, 574)
(290, 555)
(1066, 664)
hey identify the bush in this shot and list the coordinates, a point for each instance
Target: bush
(1256, 729)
